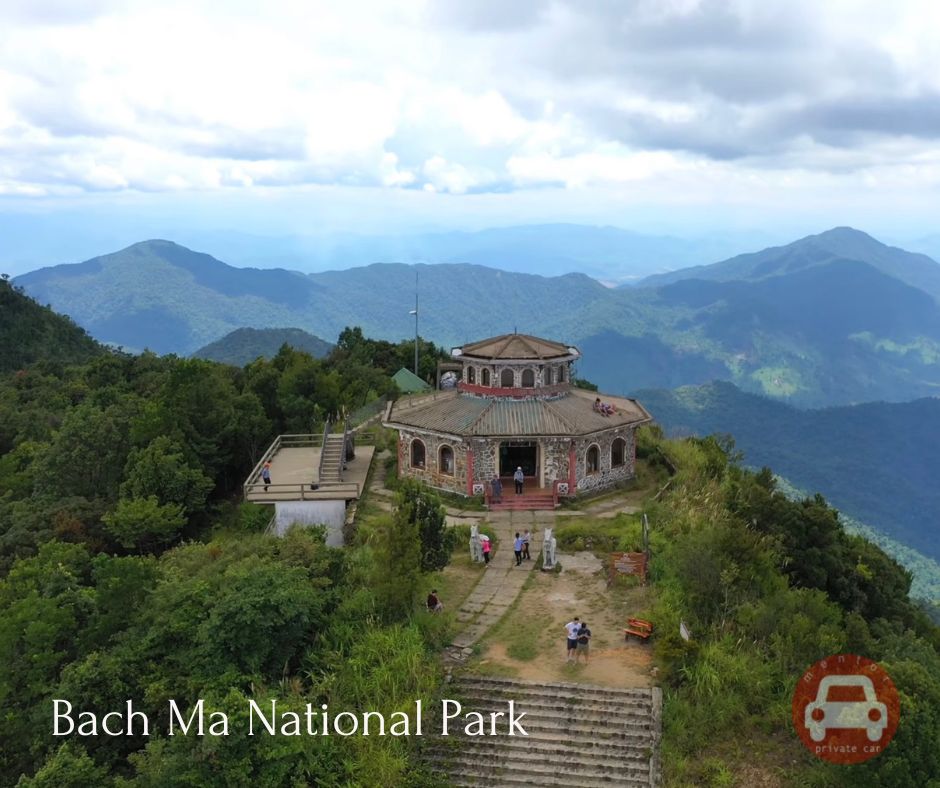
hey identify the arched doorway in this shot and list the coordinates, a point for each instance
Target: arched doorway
(528, 379)
(506, 379)
(446, 461)
(418, 454)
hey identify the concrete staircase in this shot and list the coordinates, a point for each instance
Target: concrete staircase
(578, 735)
(525, 501)
(332, 467)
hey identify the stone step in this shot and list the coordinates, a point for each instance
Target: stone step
(463, 771)
(620, 752)
(516, 688)
(634, 733)
(546, 704)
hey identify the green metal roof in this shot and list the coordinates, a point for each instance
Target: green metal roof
(408, 382)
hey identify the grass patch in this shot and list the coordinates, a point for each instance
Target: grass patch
(623, 533)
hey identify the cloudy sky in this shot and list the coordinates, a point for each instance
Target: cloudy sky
(294, 117)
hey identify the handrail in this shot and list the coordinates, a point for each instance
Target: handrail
(342, 457)
(326, 431)
(302, 491)
(256, 471)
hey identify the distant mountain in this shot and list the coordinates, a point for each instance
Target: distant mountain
(167, 298)
(877, 462)
(840, 243)
(30, 332)
(836, 331)
(160, 295)
(608, 254)
(244, 345)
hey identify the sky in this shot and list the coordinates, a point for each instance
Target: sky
(686, 117)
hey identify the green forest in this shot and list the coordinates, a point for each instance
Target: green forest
(129, 568)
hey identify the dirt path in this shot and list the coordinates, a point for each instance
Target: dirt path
(529, 643)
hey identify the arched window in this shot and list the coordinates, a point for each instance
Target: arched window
(593, 460)
(506, 379)
(485, 377)
(528, 379)
(417, 454)
(618, 450)
(446, 461)
(471, 375)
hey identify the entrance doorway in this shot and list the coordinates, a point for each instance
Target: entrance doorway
(513, 454)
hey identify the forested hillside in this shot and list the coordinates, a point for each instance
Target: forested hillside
(767, 586)
(878, 462)
(30, 332)
(127, 570)
(244, 345)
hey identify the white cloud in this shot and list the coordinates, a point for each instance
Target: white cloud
(686, 99)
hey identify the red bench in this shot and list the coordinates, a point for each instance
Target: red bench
(638, 627)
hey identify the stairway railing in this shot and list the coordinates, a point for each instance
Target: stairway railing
(326, 432)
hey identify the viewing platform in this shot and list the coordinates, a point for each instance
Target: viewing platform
(313, 478)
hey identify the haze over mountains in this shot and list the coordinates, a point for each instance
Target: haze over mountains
(830, 319)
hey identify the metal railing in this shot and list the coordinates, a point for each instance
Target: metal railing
(326, 432)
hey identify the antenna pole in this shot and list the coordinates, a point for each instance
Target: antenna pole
(416, 323)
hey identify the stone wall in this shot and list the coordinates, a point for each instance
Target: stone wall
(431, 474)
(486, 460)
(545, 374)
(606, 476)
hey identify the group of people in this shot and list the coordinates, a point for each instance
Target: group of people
(579, 640)
(604, 408)
(496, 486)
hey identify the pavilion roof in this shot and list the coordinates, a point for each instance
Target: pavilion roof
(454, 413)
(516, 347)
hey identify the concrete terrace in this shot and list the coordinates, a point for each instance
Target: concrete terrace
(294, 465)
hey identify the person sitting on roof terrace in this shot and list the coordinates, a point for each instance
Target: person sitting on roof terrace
(604, 408)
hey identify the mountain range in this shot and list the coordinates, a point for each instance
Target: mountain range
(835, 318)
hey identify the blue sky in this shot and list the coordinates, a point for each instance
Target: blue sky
(680, 116)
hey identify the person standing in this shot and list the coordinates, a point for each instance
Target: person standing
(584, 643)
(266, 474)
(496, 486)
(517, 547)
(486, 550)
(519, 478)
(525, 545)
(572, 628)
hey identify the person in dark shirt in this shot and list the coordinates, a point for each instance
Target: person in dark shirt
(584, 643)
(434, 603)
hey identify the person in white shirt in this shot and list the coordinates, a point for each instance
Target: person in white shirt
(573, 628)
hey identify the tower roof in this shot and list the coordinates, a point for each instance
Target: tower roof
(516, 347)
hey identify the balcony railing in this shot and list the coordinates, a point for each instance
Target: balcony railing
(512, 392)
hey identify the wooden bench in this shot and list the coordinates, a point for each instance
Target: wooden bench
(638, 627)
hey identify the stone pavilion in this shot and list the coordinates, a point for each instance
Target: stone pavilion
(515, 406)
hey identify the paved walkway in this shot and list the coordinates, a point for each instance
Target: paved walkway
(502, 580)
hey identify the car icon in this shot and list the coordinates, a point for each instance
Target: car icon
(822, 714)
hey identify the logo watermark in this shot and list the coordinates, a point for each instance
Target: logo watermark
(846, 709)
